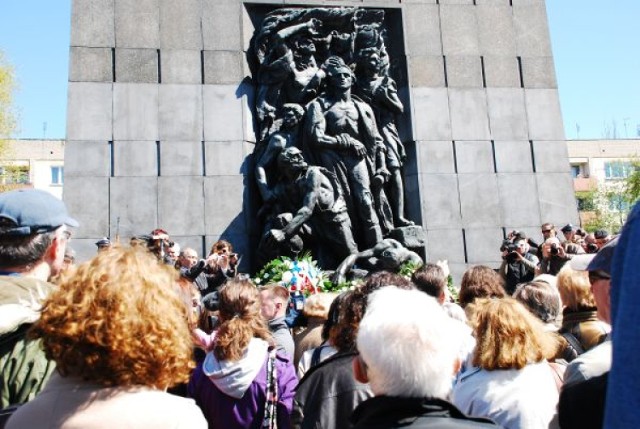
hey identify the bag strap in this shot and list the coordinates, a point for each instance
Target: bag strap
(557, 371)
(315, 356)
(573, 342)
(270, 409)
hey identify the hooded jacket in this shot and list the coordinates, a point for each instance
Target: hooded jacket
(233, 394)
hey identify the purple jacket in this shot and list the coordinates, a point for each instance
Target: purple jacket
(224, 411)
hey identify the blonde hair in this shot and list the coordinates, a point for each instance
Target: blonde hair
(317, 305)
(508, 336)
(239, 311)
(117, 320)
(575, 289)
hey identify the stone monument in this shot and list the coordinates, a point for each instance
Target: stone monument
(176, 107)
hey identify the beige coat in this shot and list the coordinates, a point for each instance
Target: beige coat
(69, 403)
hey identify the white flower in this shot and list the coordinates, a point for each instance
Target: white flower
(445, 267)
(286, 277)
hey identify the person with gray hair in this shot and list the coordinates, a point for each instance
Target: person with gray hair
(409, 355)
(541, 299)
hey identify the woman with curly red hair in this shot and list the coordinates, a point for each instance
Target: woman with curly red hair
(243, 382)
(118, 333)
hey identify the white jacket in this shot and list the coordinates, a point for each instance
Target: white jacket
(514, 398)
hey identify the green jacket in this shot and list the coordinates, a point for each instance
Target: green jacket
(25, 369)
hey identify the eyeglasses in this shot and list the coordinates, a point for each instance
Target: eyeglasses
(545, 231)
(594, 276)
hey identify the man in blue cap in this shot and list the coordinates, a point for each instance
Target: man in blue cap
(34, 231)
(582, 398)
(596, 361)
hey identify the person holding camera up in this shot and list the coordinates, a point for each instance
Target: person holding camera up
(556, 254)
(221, 264)
(518, 264)
(210, 274)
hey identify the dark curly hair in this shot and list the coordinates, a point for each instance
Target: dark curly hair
(353, 306)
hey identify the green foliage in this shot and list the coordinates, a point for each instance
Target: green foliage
(8, 121)
(311, 279)
(610, 205)
(13, 176)
(407, 269)
(586, 200)
(632, 183)
(452, 289)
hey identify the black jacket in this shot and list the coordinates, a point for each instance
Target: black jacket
(385, 412)
(327, 394)
(206, 279)
(581, 404)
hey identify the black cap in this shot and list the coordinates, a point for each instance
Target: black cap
(567, 228)
(103, 242)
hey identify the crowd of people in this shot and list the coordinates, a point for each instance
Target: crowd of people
(150, 335)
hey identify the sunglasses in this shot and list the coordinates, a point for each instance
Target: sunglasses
(598, 275)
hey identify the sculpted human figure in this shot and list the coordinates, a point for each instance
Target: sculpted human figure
(314, 198)
(379, 91)
(389, 254)
(290, 72)
(287, 136)
(340, 134)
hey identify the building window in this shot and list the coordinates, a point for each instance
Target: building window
(579, 170)
(57, 175)
(617, 169)
(575, 171)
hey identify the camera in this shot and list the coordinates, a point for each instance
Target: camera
(508, 246)
(555, 248)
(592, 248)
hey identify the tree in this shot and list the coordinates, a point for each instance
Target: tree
(609, 203)
(8, 121)
(632, 183)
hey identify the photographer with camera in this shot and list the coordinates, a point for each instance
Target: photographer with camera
(221, 264)
(518, 264)
(556, 254)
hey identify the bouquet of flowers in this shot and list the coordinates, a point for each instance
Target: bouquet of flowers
(299, 275)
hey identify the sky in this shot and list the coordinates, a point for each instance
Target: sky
(595, 47)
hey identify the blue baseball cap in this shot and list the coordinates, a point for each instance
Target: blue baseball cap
(32, 211)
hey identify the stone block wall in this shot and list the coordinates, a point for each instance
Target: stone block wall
(160, 123)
